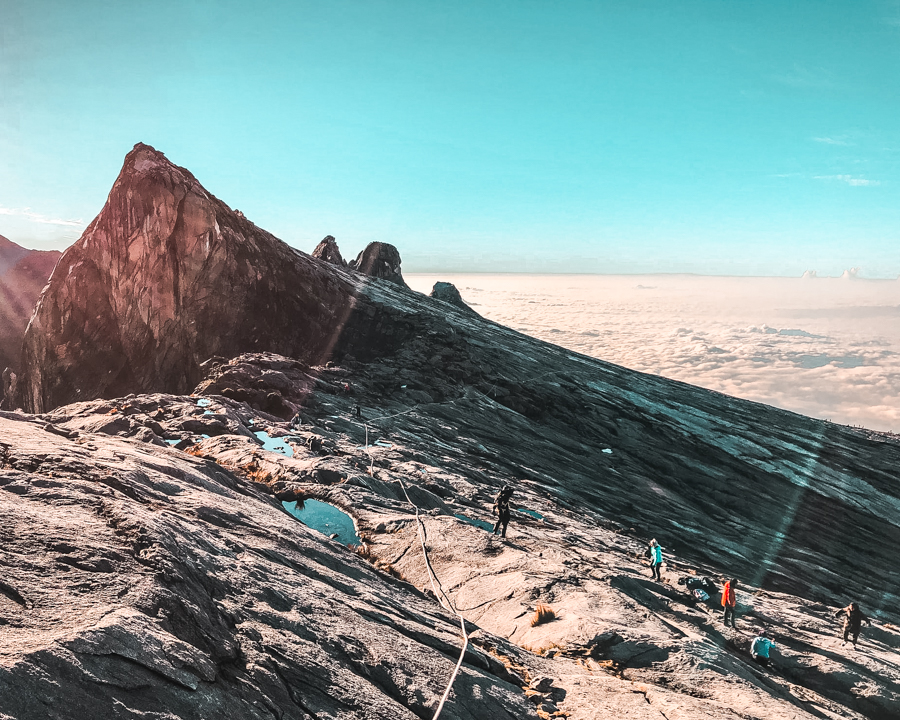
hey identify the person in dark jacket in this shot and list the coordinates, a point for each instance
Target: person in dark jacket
(501, 509)
(853, 618)
(729, 601)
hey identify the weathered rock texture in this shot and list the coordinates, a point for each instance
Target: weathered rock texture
(449, 294)
(380, 260)
(142, 582)
(328, 251)
(200, 543)
(167, 276)
(23, 274)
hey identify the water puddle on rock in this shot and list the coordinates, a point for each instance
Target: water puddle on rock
(203, 402)
(534, 513)
(477, 523)
(325, 518)
(274, 444)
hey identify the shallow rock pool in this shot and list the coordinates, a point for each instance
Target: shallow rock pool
(278, 445)
(477, 523)
(325, 518)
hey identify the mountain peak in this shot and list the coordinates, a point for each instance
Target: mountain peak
(168, 276)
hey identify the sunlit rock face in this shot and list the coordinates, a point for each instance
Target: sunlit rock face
(168, 276)
(23, 273)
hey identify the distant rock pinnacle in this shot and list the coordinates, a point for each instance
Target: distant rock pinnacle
(328, 251)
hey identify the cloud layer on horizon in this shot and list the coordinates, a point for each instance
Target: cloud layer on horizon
(827, 347)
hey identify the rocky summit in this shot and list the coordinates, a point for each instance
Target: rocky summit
(167, 276)
(157, 562)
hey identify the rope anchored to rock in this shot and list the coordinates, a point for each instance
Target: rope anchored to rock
(436, 585)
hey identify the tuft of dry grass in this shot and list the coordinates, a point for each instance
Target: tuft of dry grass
(542, 614)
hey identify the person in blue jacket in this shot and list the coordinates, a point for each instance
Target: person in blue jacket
(760, 647)
(655, 553)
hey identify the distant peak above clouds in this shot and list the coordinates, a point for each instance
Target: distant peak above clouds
(848, 274)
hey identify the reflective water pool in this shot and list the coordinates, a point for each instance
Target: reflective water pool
(274, 444)
(477, 523)
(325, 518)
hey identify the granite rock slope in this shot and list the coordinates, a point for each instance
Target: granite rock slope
(167, 276)
(143, 582)
(23, 274)
(619, 643)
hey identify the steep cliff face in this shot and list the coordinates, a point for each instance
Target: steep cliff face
(168, 276)
(23, 274)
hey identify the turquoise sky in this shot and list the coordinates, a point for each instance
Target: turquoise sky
(710, 136)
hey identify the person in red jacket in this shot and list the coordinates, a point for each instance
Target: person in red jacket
(729, 600)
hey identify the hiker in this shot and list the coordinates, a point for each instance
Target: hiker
(760, 646)
(729, 601)
(853, 618)
(359, 412)
(655, 553)
(501, 509)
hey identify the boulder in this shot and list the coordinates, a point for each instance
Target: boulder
(448, 293)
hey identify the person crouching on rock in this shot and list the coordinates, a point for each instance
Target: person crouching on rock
(655, 553)
(729, 601)
(501, 509)
(760, 646)
(853, 618)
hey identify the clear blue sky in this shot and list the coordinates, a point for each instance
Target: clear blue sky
(710, 136)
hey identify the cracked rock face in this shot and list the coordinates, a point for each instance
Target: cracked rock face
(140, 575)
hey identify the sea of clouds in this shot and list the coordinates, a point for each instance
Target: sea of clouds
(825, 347)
